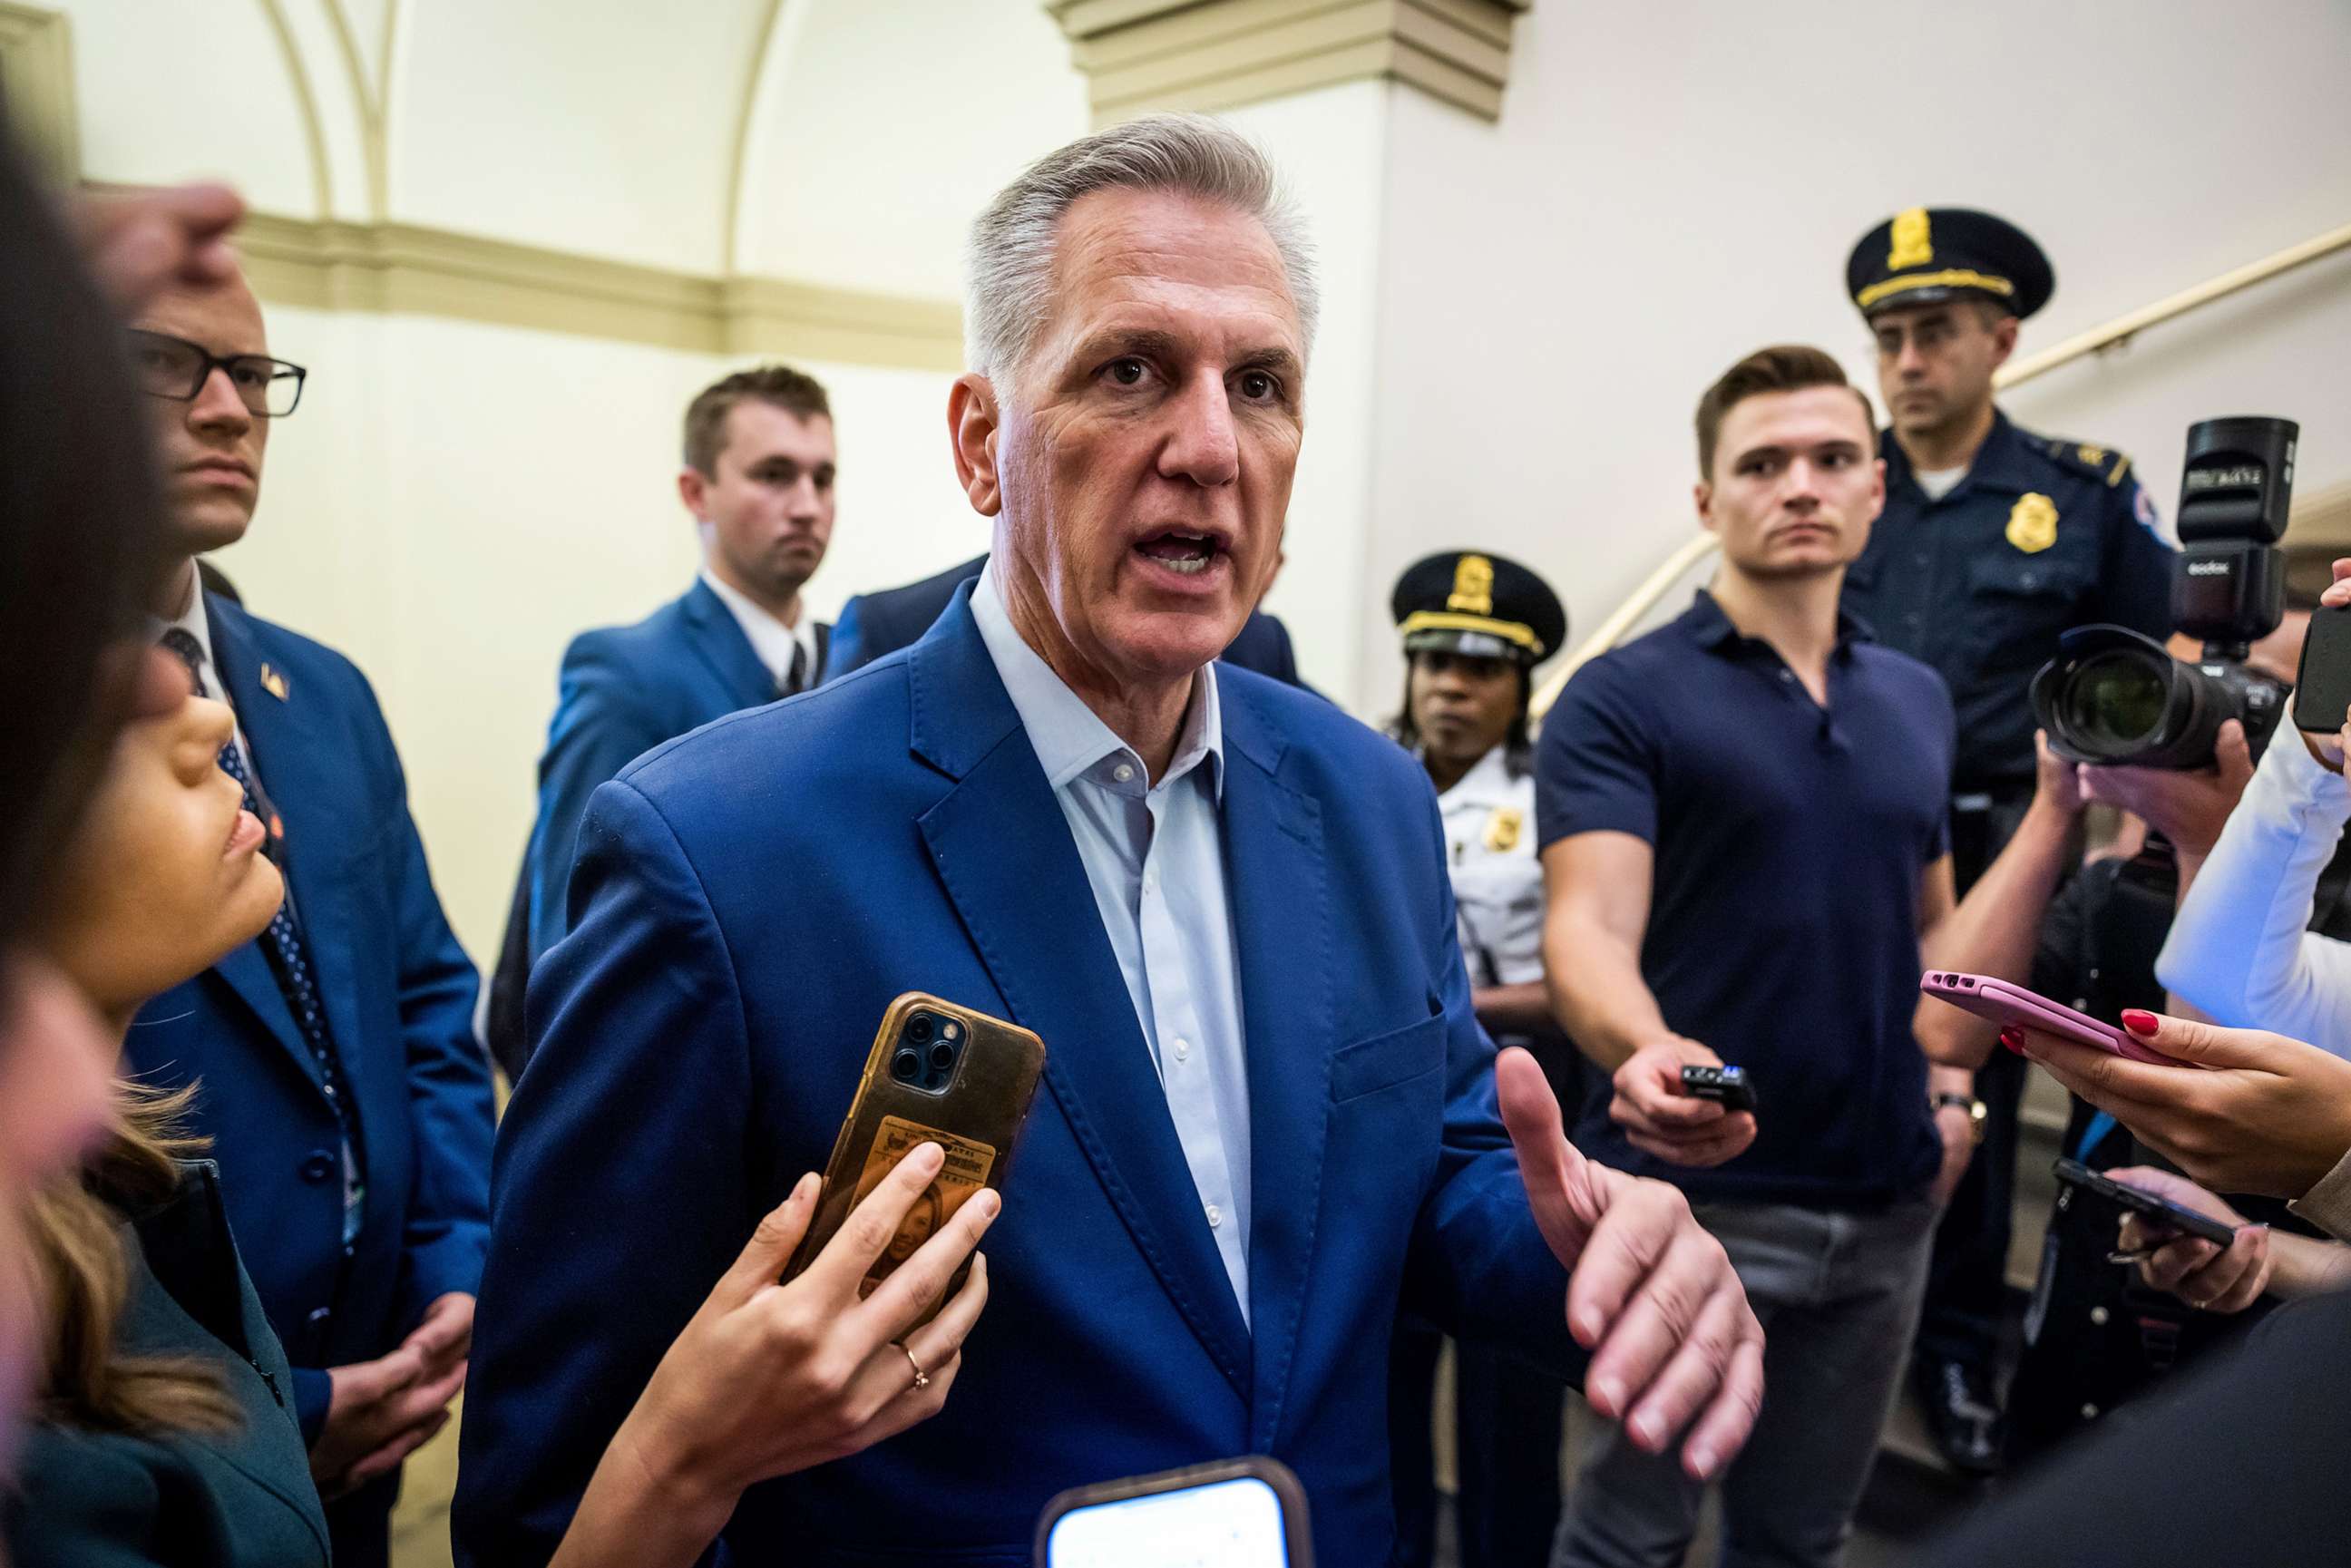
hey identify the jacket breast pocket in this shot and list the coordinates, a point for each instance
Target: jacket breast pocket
(1385, 1061)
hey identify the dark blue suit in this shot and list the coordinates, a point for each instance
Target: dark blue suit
(623, 691)
(874, 624)
(399, 995)
(750, 899)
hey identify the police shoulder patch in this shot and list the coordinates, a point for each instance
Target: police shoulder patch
(2085, 458)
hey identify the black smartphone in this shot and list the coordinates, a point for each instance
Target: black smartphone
(1725, 1086)
(1235, 1513)
(2322, 688)
(2071, 1174)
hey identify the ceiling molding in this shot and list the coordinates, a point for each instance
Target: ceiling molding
(406, 268)
(1143, 54)
(37, 81)
(731, 239)
(367, 97)
(314, 130)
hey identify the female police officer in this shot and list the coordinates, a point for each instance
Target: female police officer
(1474, 626)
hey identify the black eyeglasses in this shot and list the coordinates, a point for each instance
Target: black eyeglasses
(177, 369)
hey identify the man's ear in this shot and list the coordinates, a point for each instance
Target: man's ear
(973, 425)
(1703, 494)
(693, 488)
(2003, 341)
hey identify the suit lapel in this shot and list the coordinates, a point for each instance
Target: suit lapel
(1002, 851)
(1283, 942)
(292, 747)
(719, 638)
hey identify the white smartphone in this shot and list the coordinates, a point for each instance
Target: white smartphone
(1237, 1513)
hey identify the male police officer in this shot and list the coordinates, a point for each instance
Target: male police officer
(1994, 541)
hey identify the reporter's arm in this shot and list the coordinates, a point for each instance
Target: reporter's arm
(1523, 1009)
(1996, 929)
(2240, 949)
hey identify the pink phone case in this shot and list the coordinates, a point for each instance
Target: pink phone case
(2003, 1003)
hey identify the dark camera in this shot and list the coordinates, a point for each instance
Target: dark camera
(906, 1065)
(2114, 696)
(919, 1027)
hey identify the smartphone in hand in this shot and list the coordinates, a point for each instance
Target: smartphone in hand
(2322, 686)
(2005, 1004)
(937, 1073)
(1725, 1086)
(2074, 1176)
(1237, 1513)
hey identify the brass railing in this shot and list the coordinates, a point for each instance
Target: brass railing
(2119, 330)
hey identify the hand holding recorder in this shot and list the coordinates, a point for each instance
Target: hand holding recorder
(1661, 1117)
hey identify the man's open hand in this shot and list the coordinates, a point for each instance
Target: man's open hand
(1674, 1346)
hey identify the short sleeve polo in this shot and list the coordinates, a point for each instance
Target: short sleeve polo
(1790, 840)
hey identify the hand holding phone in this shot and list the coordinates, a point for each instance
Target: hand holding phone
(2074, 1176)
(1725, 1086)
(2322, 684)
(1661, 1119)
(1238, 1514)
(2007, 1004)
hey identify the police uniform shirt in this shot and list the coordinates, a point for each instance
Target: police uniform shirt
(2043, 535)
(1490, 842)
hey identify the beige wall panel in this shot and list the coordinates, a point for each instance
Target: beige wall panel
(176, 91)
(888, 125)
(1559, 287)
(37, 87)
(599, 126)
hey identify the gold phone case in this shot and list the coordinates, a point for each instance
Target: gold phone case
(975, 1116)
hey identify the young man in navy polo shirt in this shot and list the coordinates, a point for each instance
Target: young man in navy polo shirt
(1743, 827)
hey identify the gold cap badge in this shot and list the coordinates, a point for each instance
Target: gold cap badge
(1473, 586)
(275, 684)
(1913, 245)
(2032, 523)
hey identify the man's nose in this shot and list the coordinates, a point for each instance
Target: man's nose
(1907, 360)
(1203, 447)
(1802, 490)
(217, 406)
(802, 502)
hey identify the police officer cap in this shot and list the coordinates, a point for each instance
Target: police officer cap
(1931, 254)
(1486, 606)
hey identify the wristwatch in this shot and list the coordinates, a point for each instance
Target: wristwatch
(1971, 1105)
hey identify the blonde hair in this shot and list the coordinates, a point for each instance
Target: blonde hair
(83, 1271)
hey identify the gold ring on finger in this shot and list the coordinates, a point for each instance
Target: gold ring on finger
(922, 1378)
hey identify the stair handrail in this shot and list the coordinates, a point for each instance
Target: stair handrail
(2097, 340)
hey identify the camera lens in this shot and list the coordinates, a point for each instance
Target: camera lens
(906, 1066)
(2115, 701)
(919, 1027)
(943, 1056)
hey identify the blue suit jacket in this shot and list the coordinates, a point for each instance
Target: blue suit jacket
(875, 624)
(399, 994)
(752, 897)
(623, 691)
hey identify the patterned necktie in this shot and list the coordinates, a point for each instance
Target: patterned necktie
(796, 678)
(289, 961)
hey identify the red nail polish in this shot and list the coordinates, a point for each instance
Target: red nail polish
(2013, 1039)
(2141, 1023)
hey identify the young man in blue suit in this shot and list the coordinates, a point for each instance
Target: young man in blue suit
(1268, 1115)
(758, 478)
(341, 1086)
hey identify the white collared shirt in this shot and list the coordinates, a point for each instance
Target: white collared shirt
(770, 639)
(197, 624)
(1497, 892)
(1154, 857)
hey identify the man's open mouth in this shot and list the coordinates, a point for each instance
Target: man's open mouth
(1181, 550)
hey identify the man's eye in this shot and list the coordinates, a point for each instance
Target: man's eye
(1257, 386)
(1126, 372)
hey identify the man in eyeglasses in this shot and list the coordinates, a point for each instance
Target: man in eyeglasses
(341, 1086)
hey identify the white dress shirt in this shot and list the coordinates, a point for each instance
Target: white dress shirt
(1497, 892)
(2241, 948)
(1154, 857)
(197, 624)
(770, 639)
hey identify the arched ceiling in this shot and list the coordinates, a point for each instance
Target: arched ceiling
(614, 129)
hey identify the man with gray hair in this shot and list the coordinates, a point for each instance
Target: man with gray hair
(1268, 1115)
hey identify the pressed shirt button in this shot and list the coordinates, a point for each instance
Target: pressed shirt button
(1151, 879)
(1123, 773)
(1216, 1216)
(1183, 1049)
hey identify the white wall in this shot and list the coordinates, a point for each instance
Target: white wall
(1677, 182)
